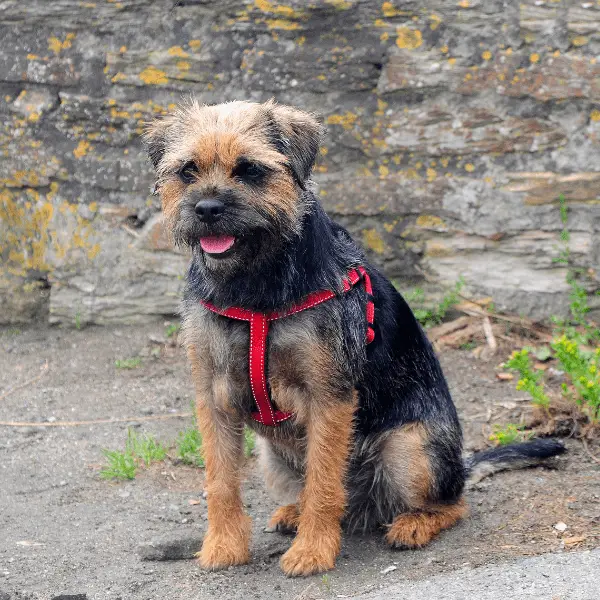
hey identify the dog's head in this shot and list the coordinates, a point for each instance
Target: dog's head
(231, 177)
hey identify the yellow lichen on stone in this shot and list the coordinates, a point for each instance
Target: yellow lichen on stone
(276, 9)
(82, 149)
(469, 167)
(534, 58)
(595, 115)
(580, 40)
(194, 44)
(55, 45)
(153, 76)
(435, 21)
(373, 241)
(346, 120)
(430, 222)
(383, 171)
(340, 4)
(486, 55)
(464, 3)
(408, 39)
(118, 77)
(32, 57)
(177, 51)
(183, 65)
(284, 24)
(389, 227)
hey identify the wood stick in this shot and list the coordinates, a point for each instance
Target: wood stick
(94, 421)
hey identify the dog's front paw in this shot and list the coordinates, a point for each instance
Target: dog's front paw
(306, 557)
(221, 551)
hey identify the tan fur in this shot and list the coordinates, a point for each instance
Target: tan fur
(214, 137)
(227, 540)
(414, 530)
(323, 499)
(405, 459)
(285, 519)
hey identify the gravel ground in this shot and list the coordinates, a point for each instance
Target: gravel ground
(64, 530)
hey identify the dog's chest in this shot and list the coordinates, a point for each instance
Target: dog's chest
(291, 351)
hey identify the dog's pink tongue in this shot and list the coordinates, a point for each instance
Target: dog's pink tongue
(217, 244)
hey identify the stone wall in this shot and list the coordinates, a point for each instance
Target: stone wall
(453, 126)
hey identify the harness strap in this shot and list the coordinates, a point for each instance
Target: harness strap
(259, 329)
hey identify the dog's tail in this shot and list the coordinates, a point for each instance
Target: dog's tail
(515, 456)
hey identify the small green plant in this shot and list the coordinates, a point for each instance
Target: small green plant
(120, 465)
(572, 345)
(428, 317)
(249, 442)
(128, 363)
(139, 450)
(583, 368)
(326, 581)
(78, 320)
(468, 345)
(530, 380)
(172, 329)
(509, 434)
(145, 448)
(189, 447)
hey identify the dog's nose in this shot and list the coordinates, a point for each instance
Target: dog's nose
(209, 210)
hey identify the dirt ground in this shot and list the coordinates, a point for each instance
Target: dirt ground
(64, 530)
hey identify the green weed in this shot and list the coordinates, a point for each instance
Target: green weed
(120, 465)
(249, 442)
(572, 345)
(139, 450)
(172, 329)
(530, 379)
(189, 447)
(509, 434)
(128, 363)
(428, 317)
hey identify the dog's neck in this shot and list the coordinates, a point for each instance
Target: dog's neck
(316, 259)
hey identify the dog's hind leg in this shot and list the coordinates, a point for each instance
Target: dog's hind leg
(414, 530)
(284, 484)
(416, 470)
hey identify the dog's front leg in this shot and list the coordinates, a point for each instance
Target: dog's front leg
(323, 499)
(227, 540)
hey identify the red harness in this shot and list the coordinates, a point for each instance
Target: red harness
(259, 328)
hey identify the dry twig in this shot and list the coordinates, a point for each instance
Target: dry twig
(44, 370)
(94, 421)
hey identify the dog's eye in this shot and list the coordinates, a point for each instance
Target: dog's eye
(188, 172)
(250, 172)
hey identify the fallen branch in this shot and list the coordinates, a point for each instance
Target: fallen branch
(94, 421)
(589, 452)
(459, 337)
(445, 328)
(44, 370)
(492, 345)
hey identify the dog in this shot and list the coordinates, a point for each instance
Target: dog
(291, 331)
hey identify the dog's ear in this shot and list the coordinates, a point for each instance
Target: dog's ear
(297, 135)
(155, 138)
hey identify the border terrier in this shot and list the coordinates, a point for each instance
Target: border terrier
(291, 331)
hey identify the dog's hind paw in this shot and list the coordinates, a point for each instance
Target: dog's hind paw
(284, 519)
